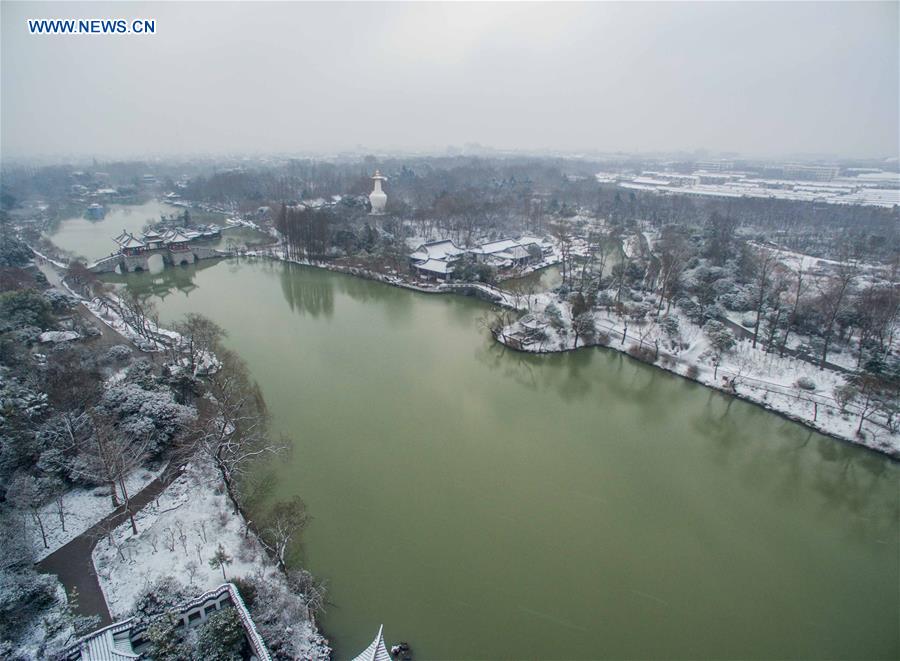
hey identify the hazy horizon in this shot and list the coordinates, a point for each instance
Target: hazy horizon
(760, 80)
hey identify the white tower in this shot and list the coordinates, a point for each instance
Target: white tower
(377, 198)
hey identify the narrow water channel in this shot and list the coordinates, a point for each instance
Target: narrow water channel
(486, 504)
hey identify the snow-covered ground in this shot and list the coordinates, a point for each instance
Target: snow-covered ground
(111, 318)
(53, 630)
(177, 535)
(83, 508)
(757, 376)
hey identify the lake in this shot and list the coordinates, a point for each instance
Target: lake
(93, 239)
(487, 504)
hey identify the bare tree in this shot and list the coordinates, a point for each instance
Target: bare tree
(796, 297)
(764, 265)
(200, 337)
(673, 255)
(563, 235)
(29, 494)
(832, 298)
(109, 456)
(314, 592)
(231, 428)
(285, 520)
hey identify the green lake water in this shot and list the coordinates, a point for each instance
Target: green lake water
(486, 504)
(93, 239)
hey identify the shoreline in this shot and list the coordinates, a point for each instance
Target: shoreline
(316, 639)
(893, 456)
(889, 451)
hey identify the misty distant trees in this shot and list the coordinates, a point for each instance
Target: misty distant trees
(306, 231)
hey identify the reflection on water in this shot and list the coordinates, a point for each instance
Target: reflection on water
(93, 239)
(312, 296)
(484, 503)
(544, 280)
(234, 238)
(162, 283)
(549, 278)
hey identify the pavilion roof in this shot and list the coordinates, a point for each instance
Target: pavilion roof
(435, 266)
(437, 250)
(177, 236)
(376, 651)
(129, 240)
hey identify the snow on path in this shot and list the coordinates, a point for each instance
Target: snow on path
(83, 508)
(177, 534)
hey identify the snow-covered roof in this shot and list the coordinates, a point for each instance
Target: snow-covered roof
(111, 643)
(506, 245)
(493, 247)
(516, 252)
(177, 236)
(531, 240)
(651, 181)
(58, 336)
(152, 235)
(436, 250)
(129, 240)
(376, 651)
(435, 266)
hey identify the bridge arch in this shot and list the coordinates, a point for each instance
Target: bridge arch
(155, 263)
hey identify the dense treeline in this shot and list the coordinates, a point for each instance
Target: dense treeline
(821, 312)
(80, 413)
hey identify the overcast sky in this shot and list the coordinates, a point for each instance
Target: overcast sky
(759, 79)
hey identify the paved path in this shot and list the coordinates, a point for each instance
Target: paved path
(72, 563)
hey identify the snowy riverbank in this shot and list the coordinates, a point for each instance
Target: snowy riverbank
(177, 535)
(744, 372)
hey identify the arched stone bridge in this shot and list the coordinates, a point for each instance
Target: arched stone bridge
(486, 292)
(130, 263)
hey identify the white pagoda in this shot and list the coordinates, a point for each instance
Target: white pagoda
(377, 198)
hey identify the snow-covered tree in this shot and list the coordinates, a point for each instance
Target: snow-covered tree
(219, 560)
(29, 494)
(721, 340)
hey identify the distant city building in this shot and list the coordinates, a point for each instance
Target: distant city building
(811, 172)
(715, 166)
(807, 183)
(377, 197)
